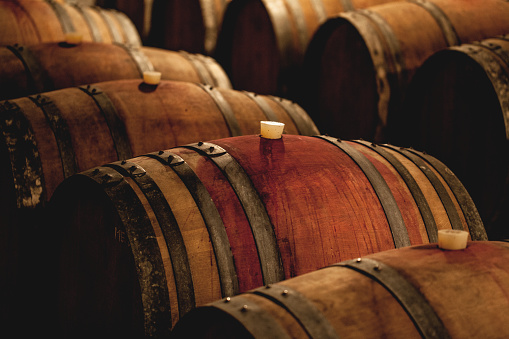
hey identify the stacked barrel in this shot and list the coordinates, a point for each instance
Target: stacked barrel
(141, 198)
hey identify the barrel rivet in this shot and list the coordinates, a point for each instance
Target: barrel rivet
(95, 171)
(338, 140)
(170, 158)
(377, 268)
(123, 162)
(211, 149)
(244, 308)
(132, 169)
(227, 300)
(106, 177)
(285, 292)
(94, 90)
(160, 152)
(200, 143)
(88, 87)
(373, 144)
(268, 286)
(358, 259)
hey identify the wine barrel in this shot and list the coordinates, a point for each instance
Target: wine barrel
(190, 25)
(374, 53)
(457, 109)
(262, 42)
(189, 225)
(416, 292)
(38, 21)
(50, 66)
(48, 137)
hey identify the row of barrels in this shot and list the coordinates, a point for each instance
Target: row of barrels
(130, 247)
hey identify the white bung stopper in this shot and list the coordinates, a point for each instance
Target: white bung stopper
(73, 38)
(271, 129)
(452, 239)
(152, 78)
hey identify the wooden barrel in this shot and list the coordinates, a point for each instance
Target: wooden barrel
(190, 25)
(416, 292)
(139, 11)
(50, 66)
(48, 137)
(457, 109)
(262, 42)
(36, 21)
(358, 64)
(189, 225)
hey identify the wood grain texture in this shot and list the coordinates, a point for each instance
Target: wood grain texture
(30, 22)
(59, 65)
(466, 289)
(320, 204)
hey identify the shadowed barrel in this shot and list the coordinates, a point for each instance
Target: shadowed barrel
(457, 109)
(359, 64)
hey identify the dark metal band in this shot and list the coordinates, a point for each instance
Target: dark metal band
(395, 57)
(413, 186)
(475, 224)
(199, 67)
(263, 232)
(21, 144)
(301, 308)
(37, 77)
(319, 9)
(61, 131)
(63, 16)
(115, 125)
(452, 213)
(170, 229)
(494, 70)
(250, 316)
(142, 62)
(347, 5)
(130, 31)
(280, 19)
(413, 302)
(442, 20)
(210, 22)
(264, 106)
(145, 249)
(92, 25)
(209, 65)
(115, 34)
(382, 190)
(212, 218)
(378, 55)
(225, 109)
(300, 23)
(300, 118)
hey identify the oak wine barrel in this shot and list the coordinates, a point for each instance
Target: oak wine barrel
(261, 43)
(190, 25)
(38, 21)
(416, 292)
(50, 66)
(47, 137)
(189, 225)
(358, 64)
(457, 108)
